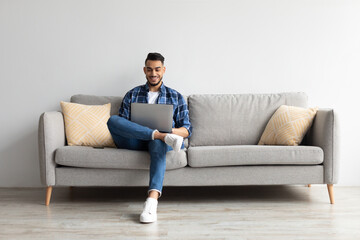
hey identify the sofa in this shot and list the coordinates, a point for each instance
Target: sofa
(222, 150)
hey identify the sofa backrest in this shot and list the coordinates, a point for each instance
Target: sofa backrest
(99, 100)
(220, 119)
(235, 119)
(115, 103)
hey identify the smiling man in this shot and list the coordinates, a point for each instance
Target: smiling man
(130, 135)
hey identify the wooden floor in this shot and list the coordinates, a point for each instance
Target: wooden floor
(242, 212)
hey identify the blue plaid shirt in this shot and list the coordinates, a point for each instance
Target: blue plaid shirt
(167, 95)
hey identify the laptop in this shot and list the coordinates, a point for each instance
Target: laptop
(154, 116)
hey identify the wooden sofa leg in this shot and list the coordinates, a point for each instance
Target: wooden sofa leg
(48, 195)
(309, 185)
(331, 193)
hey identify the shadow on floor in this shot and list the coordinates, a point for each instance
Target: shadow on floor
(185, 194)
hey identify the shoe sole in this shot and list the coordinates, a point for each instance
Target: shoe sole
(148, 221)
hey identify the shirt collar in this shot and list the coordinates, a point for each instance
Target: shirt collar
(162, 87)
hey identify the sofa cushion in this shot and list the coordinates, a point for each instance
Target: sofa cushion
(208, 156)
(85, 125)
(89, 157)
(288, 126)
(235, 119)
(115, 103)
(99, 100)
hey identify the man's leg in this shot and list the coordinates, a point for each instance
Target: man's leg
(125, 128)
(157, 150)
(119, 126)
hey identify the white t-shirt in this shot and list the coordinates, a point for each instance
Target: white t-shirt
(152, 96)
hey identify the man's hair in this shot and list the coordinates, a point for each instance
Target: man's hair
(155, 57)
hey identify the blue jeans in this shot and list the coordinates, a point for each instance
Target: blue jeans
(132, 136)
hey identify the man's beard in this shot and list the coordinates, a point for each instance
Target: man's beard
(154, 84)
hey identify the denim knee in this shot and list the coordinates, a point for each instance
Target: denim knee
(110, 123)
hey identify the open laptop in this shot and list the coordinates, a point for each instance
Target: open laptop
(154, 116)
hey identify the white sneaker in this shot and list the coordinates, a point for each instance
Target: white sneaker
(149, 214)
(175, 141)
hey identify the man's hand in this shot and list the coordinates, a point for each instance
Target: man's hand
(183, 132)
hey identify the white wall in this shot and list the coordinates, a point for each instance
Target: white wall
(50, 50)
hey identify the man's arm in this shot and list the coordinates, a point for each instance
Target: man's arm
(124, 110)
(183, 126)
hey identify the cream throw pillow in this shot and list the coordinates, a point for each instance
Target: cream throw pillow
(86, 125)
(288, 126)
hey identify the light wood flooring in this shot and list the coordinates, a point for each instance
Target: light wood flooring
(240, 212)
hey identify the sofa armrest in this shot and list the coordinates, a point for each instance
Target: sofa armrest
(324, 134)
(51, 136)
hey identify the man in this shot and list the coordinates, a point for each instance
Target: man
(129, 135)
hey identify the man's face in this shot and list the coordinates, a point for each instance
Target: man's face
(154, 71)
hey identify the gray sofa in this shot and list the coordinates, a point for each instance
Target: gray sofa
(222, 150)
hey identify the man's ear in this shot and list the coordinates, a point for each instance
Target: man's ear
(164, 69)
(145, 70)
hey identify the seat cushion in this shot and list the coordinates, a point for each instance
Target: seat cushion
(208, 156)
(89, 157)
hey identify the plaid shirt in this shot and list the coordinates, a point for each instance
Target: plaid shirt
(167, 95)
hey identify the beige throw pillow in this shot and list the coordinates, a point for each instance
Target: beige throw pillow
(288, 126)
(86, 125)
